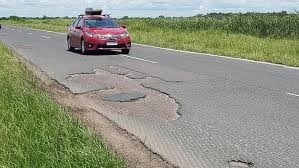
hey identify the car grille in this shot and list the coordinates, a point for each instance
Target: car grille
(116, 46)
(112, 37)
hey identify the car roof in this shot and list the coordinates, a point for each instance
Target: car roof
(95, 16)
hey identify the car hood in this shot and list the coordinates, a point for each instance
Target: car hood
(112, 31)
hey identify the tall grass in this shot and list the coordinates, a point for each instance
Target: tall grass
(274, 25)
(58, 25)
(271, 37)
(35, 132)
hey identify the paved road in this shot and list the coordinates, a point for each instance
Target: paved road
(229, 109)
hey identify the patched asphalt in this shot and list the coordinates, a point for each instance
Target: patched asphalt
(125, 97)
(231, 113)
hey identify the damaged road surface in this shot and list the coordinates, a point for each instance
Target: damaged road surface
(192, 110)
(125, 95)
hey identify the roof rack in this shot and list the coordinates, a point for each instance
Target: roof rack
(91, 11)
(106, 15)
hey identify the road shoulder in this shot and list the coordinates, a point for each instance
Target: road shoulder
(130, 148)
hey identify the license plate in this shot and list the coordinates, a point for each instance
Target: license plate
(111, 44)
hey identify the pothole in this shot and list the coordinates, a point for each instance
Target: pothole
(115, 70)
(124, 71)
(84, 83)
(137, 75)
(125, 97)
(117, 93)
(240, 164)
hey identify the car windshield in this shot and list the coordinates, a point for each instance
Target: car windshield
(100, 23)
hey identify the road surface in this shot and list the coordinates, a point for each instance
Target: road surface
(228, 111)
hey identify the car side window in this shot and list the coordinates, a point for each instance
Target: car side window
(75, 22)
(80, 23)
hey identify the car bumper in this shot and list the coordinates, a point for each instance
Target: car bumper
(97, 44)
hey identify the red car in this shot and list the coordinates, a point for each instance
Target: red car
(94, 31)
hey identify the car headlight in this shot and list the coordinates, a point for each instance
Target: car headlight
(100, 36)
(91, 35)
(125, 34)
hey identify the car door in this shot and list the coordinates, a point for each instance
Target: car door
(71, 31)
(77, 33)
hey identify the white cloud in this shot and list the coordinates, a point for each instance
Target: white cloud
(141, 7)
(7, 3)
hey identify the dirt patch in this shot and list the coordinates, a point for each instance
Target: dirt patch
(130, 148)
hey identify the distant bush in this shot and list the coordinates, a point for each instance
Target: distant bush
(16, 18)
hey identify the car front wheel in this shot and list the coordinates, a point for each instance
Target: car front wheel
(125, 51)
(83, 47)
(69, 46)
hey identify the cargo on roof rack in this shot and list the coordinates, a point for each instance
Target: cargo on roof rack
(91, 11)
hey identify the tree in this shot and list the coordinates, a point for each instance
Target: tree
(45, 17)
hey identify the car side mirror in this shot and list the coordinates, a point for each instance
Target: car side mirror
(78, 27)
(124, 26)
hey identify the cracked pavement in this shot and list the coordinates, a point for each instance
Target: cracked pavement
(193, 110)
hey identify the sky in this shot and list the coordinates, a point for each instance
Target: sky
(141, 8)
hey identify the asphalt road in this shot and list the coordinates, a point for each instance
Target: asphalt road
(230, 110)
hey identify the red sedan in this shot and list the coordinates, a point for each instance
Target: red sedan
(98, 32)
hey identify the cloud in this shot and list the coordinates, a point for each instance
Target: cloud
(141, 7)
(7, 3)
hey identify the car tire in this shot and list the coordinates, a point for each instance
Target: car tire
(125, 51)
(69, 46)
(83, 47)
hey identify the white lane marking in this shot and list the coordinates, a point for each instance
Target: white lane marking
(13, 29)
(190, 52)
(48, 31)
(213, 55)
(29, 33)
(140, 59)
(45, 37)
(292, 94)
(20, 31)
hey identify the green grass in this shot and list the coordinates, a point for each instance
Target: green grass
(261, 37)
(36, 132)
(274, 25)
(281, 51)
(57, 25)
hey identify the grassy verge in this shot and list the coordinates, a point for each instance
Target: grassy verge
(57, 25)
(275, 50)
(35, 132)
(280, 51)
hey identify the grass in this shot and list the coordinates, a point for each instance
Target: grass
(57, 25)
(274, 25)
(36, 132)
(261, 37)
(281, 51)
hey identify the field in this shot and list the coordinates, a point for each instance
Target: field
(269, 37)
(36, 132)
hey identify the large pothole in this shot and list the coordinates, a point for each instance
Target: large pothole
(240, 164)
(121, 91)
(125, 97)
